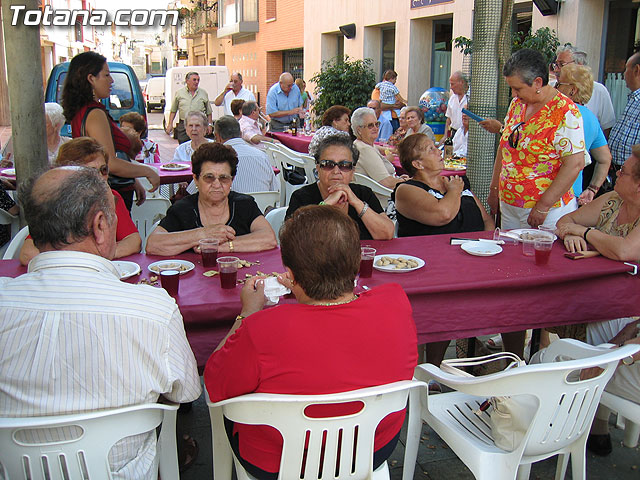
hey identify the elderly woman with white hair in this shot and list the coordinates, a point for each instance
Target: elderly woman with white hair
(372, 163)
(54, 119)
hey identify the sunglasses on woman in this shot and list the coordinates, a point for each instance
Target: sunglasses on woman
(344, 165)
(514, 138)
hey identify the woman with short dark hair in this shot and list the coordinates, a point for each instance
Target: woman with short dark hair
(415, 123)
(330, 341)
(214, 212)
(335, 121)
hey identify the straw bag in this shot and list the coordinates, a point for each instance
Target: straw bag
(509, 417)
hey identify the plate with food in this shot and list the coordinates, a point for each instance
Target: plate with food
(528, 234)
(174, 167)
(183, 266)
(481, 249)
(397, 263)
(9, 171)
(126, 269)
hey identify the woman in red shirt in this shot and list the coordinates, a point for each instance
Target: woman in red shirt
(330, 341)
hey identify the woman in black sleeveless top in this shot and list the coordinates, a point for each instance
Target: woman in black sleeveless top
(430, 204)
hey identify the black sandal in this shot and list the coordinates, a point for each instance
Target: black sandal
(187, 452)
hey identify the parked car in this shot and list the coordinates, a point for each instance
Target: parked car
(126, 95)
(213, 79)
(154, 93)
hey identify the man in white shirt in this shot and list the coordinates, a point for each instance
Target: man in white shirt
(233, 90)
(600, 103)
(459, 86)
(254, 172)
(251, 131)
(73, 337)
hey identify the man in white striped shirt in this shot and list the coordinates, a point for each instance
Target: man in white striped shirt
(254, 173)
(73, 337)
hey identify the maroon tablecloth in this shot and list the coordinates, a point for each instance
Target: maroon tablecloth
(172, 176)
(455, 295)
(299, 143)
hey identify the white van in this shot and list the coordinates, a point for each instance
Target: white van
(154, 93)
(213, 80)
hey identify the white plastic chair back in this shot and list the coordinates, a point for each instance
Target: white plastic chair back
(265, 199)
(14, 221)
(147, 185)
(629, 411)
(276, 218)
(348, 447)
(146, 215)
(57, 459)
(561, 424)
(378, 189)
(13, 249)
(285, 162)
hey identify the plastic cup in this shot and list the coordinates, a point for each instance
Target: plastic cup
(542, 247)
(548, 228)
(228, 271)
(170, 281)
(209, 251)
(367, 254)
(528, 249)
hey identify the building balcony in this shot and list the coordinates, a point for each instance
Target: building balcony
(199, 22)
(237, 17)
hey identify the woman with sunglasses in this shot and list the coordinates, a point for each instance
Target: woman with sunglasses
(541, 149)
(336, 158)
(88, 152)
(214, 212)
(372, 163)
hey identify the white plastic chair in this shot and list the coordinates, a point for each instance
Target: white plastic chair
(89, 451)
(630, 413)
(14, 221)
(147, 185)
(348, 447)
(13, 249)
(287, 160)
(265, 199)
(379, 189)
(150, 212)
(276, 218)
(560, 426)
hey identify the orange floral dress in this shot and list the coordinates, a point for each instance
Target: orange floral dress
(530, 164)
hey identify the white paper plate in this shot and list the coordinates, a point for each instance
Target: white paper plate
(176, 168)
(183, 265)
(391, 268)
(9, 171)
(126, 269)
(481, 249)
(519, 231)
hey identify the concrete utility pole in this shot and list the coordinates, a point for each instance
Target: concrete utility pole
(5, 118)
(24, 69)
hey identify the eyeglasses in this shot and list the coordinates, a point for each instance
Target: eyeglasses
(562, 83)
(514, 138)
(223, 179)
(344, 165)
(372, 125)
(104, 169)
(557, 64)
(621, 172)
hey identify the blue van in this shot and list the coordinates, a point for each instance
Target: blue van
(126, 95)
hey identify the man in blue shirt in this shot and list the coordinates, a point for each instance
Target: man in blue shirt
(283, 103)
(386, 129)
(626, 132)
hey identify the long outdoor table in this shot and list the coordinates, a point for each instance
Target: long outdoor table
(455, 295)
(299, 143)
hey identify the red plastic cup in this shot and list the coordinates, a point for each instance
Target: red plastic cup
(367, 254)
(228, 271)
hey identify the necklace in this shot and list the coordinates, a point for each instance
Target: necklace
(329, 304)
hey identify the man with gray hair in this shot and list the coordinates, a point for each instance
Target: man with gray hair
(251, 131)
(459, 100)
(188, 99)
(600, 103)
(386, 129)
(283, 103)
(233, 90)
(73, 337)
(254, 172)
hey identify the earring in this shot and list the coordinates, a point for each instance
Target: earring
(538, 92)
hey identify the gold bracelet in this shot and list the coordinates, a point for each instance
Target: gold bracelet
(240, 317)
(543, 213)
(230, 246)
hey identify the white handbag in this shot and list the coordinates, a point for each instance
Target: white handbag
(510, 417)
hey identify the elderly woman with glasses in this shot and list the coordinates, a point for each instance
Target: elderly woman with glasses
(214, 212)
(541, 149)
(372, 163)
(331, 340)
(336, 158)
(88, 152)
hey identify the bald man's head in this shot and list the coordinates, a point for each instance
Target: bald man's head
(377, 107)
(286, 82)
(60, 205)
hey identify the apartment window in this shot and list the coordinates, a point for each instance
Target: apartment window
(271, 9)
(388, 49)
(292, 60)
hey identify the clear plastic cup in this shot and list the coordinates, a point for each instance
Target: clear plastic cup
(367, 254)
(170, 281)
(209, 251)
(228, 271)
(542, 247)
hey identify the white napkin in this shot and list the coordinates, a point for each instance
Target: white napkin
(273, 290)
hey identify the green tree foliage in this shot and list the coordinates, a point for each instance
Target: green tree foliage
(343, 82)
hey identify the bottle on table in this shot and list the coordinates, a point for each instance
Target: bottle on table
(448, 148)
(294, 127)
